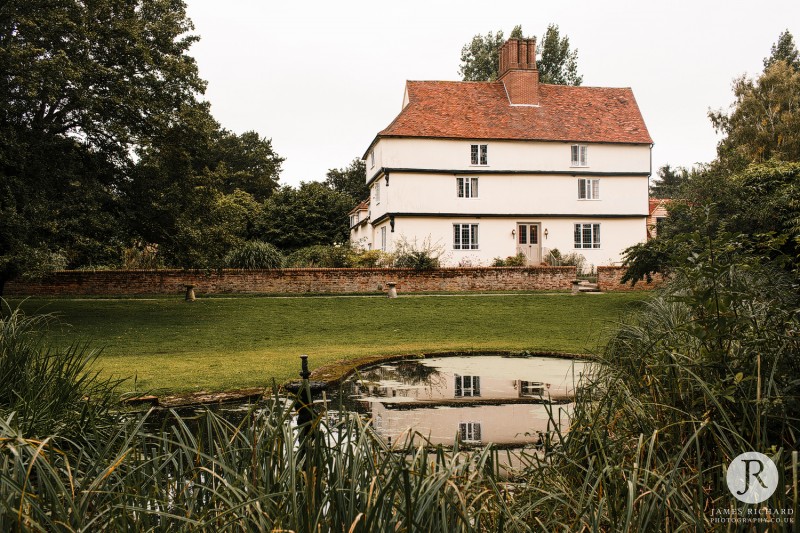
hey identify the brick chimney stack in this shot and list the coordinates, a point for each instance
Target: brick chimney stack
(518, 71)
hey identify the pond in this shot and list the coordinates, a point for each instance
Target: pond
(508, 401)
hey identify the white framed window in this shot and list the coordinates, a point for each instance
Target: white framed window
(383, 238)
(372, 159)
(587, 235)
(465, 236)
(467, 187)
(378, 191)
(470, 431)
(478, 154)
(588, 189)
(579, 156)
(467, 386)
(531, 388)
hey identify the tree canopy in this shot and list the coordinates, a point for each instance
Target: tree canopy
(556, 62)
(746, 198)
(351, 180)
(105, 146)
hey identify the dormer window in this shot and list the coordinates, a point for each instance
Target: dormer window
(478, 154)
(579, 155)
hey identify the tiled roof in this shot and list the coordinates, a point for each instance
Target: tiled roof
(481, 110)
(363, 206)
(654, 203)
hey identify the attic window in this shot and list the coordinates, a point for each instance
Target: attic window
(478, 154)
(579, 158)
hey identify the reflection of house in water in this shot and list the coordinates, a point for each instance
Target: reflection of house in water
(481, 398)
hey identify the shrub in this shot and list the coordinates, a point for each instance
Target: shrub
(254, 254)
(373, 258)
(518, 260)
(419, 257)
(556, 258)
(323, 256)
(141, 256)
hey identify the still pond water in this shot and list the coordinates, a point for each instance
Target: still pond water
(507, 401)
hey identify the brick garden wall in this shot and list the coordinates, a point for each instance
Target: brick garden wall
(608, 279)
(292, 281)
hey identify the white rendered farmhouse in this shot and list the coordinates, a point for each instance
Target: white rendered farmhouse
(493, 169)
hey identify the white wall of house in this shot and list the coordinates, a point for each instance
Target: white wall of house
(534, 198)
(506, 194)
(507, 155)
(495, 237)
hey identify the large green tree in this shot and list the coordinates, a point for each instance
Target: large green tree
(748, 195)
(764, 122)
(351, 180)
(312, 213)
(557, 63)
(83, 85)
(669, 182)
(197, 190)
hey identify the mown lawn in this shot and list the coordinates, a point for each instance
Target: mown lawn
(168, 345)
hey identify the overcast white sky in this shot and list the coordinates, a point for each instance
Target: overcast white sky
(321, 78)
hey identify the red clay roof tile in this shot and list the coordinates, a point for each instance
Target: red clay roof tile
(481, 110)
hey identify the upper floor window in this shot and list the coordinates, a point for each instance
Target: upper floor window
(478, 154)
(354, 219)
(467, 187)
(372, 159)
(579, 155)
(587, 235)
(465, 236)
(588, 189)
(378, 191)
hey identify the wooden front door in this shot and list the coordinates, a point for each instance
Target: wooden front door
(528, 242)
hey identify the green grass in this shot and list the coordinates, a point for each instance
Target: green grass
(223, 344)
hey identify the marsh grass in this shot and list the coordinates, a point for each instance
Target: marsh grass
(263, 474)
(706, 371)
(49, 389)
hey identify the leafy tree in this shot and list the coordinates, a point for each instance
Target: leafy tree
(310, 214)
(669, 182)
(195, 190)
(108, 72)
(784, 50)
(756, 208)
(480, 57)
(350, 180)
(250, 163)
(764, 123)
(83, 84)
(557, 64)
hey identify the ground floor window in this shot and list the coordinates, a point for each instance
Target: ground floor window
(587, 235)
(465, 236)
(467, 386)
(470, 431)
(383, 238)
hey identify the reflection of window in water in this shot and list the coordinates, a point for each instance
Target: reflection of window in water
(470, 431)
(531, 388)
(467, 386)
